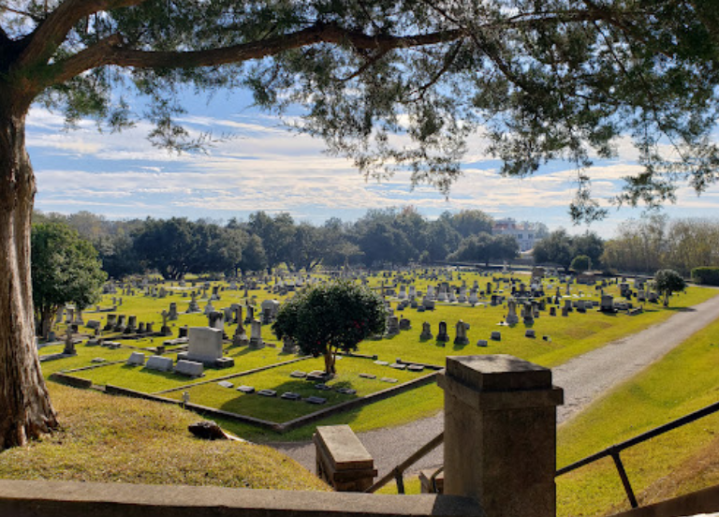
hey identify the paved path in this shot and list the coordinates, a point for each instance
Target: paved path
(583, 378)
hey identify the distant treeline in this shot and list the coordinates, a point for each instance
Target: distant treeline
(177, 246)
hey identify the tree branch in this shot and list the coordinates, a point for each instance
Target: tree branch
(109, 51)
(41, 43)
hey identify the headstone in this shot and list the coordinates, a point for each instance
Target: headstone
(511, 318)
(392, 326)
(172, 316)
(256, 334)
(189, 368)
(482, 342)
(496, 335)
(159, 363)
(426, 331)
(442, 335)
(461, 337)
(288, 345)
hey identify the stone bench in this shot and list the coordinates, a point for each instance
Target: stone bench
(342, 461)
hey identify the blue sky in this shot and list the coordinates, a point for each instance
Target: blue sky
(262, 166)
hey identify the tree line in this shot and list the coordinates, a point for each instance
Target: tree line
(178, 246)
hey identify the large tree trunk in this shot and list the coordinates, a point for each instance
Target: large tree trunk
(25, 408)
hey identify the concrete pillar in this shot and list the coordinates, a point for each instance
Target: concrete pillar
(500, 434)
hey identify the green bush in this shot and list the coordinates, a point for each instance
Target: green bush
(706, 275)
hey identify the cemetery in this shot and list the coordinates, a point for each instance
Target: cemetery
(209, 345)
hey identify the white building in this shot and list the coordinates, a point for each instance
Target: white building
(525, 233)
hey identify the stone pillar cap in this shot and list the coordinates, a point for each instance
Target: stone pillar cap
(498, 372)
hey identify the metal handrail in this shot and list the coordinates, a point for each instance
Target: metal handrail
(616, 449)
(398, 472)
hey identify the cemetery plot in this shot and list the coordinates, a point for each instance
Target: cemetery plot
(142, 379)
(348, 384)
(565, 318)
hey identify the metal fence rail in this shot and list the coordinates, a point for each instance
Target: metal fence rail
(616, 449)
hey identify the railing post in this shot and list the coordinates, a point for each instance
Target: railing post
(625, 479)
(500, 434)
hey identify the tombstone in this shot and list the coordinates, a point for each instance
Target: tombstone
(269, 308)
(652, 297)
(461, 337)
(552, 311)
(288, 345)
(194, 306)
(131, 325)
(496, 335)
(426, 331)
(442, 335)
(136, 359)
(511, 318)
(402, 292)
(565, 311)
(172, 316)
(568, 305)
(473, 298)
(78, 318)
(159, 363)
(428, 303)
(165, 330)
(111, 321)
(527, 314)
(412, 291)
(530, 333)
(482, 342)
(209, 308)
(120, 325)
(189, 368)
(216, 320)
(256, 335)
(392, 326)
(69, 343)
(250, 315)
(93, 324)
(149, 328)
(60, 313)
(405, 324)
(204, 345)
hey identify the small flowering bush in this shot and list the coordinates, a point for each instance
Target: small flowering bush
(326, 318)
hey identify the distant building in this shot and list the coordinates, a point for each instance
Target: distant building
(525, 233)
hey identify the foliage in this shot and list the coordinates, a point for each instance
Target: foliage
(277, 234)
(330, 317)
(65, 269)
(556, 248)
(591, 245)
(581, 263)
(668, 282)
(706, 275)
(484, 247)
(472, 222)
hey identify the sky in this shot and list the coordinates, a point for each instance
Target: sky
(260, 165)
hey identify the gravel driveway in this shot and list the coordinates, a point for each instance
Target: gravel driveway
(584, 378)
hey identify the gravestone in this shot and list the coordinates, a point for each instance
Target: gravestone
(511, 318)
(216, 320)
(256, 334)
(159, 363)
(194, 307)
(172, 316)
(482, 342)
(189, 368)
(442, 335)
(496, 335)
(131, 325)
(461, 330)
(530, 333)
(392, 326)
(165, 330)
(405, 324)
(426, 331)
(205, 346)
(288, 345)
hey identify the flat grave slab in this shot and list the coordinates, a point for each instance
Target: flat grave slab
(346, 391)
(298, 374)
(398, 366)
(367, 376)
(381, 363)
(226, 384)
(289, 395)
(388, 379)
(246, 389)
(267, 393)
(415, 368)
(315, 400)
(322, 387)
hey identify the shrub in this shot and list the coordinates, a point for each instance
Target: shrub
(706, 275)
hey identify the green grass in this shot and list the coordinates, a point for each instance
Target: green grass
(150, 381)
(134, 441)
(279, 410)
(570, 337)
(685, 380)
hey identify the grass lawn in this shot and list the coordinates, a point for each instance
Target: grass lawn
(150, 381)
(570, 337)
(279, 379)
(677, 462)
(135, 441)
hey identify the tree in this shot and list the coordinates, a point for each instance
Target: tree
(548, 80)
(556, 249)
(168, 246)
(668, 282)
(591, 245)
(471, 222)
(327, 318)
(65, 269)
(581, 263)
(277, 234)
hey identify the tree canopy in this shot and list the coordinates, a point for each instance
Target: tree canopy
(669, 282)
(330, 317)
(65, 269)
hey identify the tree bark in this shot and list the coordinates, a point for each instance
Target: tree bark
(25, 408)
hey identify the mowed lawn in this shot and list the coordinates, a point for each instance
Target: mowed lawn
(276, 409)
(675, 463)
